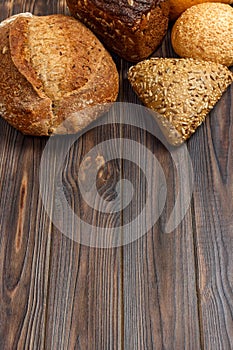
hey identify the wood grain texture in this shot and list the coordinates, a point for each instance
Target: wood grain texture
(24, 243)
(164, 291)
(85, 298)
(214, 227)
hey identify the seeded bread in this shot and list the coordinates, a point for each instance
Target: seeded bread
(181, 92)
(52, 67)
(205, 31)
(131, 28)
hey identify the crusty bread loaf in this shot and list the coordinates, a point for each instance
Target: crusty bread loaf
(52, 67)
(177, 7)
(205, 31)
(131, 28)
(181, 91)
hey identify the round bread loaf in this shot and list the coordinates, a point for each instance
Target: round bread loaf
(205, 31)
(52, 67)
(131, 28)
(178, 7)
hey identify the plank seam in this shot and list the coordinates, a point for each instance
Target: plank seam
(196, 264)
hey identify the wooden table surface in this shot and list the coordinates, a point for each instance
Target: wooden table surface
(163, 291)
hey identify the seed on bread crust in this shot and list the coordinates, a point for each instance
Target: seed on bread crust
(205, 31)
(171, 87)
(131, 28)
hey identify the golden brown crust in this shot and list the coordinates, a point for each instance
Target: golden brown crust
(205, 31)
(50, 75)
(20, 105)
(133, 34)
(181, 91)
(102, 89)
(20, 52)
(177, 7)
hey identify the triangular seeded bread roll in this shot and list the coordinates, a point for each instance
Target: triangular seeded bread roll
(181, 91)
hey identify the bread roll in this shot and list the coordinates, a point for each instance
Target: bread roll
(205, 32)
(51, 67)
(131, 28)
(177, 7)
(181, 91)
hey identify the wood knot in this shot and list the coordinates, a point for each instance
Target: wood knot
(90, 166)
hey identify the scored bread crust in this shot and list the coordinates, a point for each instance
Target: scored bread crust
(131, 28)
(27, 99)
(19, 111)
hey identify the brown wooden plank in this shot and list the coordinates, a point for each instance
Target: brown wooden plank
(213, 206)
(24, 242)
(37, 7)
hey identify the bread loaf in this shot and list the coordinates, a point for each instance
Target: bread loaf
(131, 28)
(205, 31)
(52, 67)
(181, 92)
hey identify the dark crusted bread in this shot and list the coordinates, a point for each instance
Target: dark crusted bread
(52, 67)
(131, 28)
